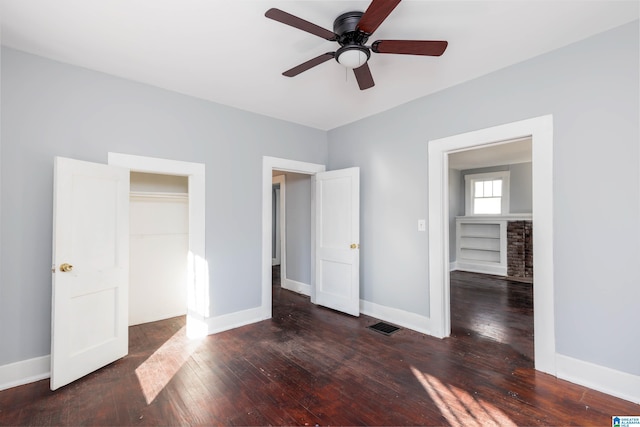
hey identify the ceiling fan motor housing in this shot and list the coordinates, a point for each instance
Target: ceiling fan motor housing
(350, 38)
(345, 27)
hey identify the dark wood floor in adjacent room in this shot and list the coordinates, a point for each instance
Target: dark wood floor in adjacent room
(309, 365)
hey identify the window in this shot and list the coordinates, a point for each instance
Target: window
(487, 193)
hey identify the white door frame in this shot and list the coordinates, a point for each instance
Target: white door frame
(540, 129)
(285, 165)
(198, 302)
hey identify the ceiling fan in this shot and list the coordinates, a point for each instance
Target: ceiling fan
(352, 30)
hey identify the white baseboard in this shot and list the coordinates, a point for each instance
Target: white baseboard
(619, 384)
(398, 317)
(495, 270)
(295, 286)
(25, 372)
(234, 320)
(453, 266)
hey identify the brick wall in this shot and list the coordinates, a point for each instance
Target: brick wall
(520, 249)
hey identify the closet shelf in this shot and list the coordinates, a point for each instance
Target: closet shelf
(471, 248)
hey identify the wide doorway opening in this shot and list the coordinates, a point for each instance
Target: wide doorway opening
(540, 131)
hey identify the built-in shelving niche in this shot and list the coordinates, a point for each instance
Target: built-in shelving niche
(481, 243)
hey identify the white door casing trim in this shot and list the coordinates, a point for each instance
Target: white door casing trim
(198, 286)
(285, 165)
(540, 129)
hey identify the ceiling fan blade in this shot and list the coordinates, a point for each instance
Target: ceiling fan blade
(410, 47)
(364, 77)
(299, 23)
(309, 64)
(377, 12)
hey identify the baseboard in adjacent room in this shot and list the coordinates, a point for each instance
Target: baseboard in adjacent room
(295, 286)
(481, 268)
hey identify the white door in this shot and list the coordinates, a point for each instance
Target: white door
(89, 327)
(337, 259)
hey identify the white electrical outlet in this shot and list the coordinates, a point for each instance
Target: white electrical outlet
(422, 225)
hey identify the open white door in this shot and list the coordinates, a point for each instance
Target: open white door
(89, 327)
(337, 263)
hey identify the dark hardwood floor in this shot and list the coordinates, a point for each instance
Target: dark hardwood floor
(309, 365)
(492, 307)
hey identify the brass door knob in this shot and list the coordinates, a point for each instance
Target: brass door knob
(355, 246)
(65, 268)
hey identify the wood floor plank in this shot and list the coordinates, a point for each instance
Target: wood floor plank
(310, 365)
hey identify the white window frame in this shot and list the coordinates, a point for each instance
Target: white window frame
(488, 176)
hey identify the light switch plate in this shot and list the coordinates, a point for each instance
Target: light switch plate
(422, 225)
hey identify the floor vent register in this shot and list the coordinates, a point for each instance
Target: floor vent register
(384, 328)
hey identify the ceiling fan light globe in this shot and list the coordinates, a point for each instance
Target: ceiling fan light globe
(352, 57)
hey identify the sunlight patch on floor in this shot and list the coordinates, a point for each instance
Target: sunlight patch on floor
(155, 373)
(459, 407)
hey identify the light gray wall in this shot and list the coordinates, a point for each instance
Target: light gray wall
(53, 109)
(591, 89)
(298, 223)
(521, 188)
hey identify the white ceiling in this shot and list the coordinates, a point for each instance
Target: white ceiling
(226, 51)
